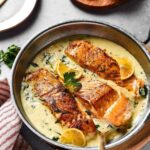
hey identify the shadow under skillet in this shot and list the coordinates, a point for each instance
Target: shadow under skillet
(23, 25)
(126, 7)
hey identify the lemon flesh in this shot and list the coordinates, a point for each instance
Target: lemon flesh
(61, 69)
(126, 67)
(74, 137)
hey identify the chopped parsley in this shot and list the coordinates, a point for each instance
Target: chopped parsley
(9, 56)
(47, 58)
(109, 126)
(85, 70)
(55, 138)
(71, 82)
(58, 133)
(97, 126)
(34, 64)
(25, 86)
(33, 106)
(135, 104)
(88, 112)
(63, 58)
(143, 91)
(57, 121)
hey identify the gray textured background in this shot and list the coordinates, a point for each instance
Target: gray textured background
(133, 16)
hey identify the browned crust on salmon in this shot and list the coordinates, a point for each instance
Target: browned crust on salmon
(94, 59)
(62, 104)
(94, 96)
(97, 98)
(98, 95)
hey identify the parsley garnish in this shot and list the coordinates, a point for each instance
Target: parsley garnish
(97, 126)
(71, 82)
(9, 56)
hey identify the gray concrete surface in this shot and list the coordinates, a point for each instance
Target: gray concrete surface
(133, 16)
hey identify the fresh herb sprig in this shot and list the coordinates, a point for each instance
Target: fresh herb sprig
(9, 56)
(71, 82)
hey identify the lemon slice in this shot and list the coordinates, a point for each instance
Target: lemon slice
(73, 136)
(61, 69)
(126, 67)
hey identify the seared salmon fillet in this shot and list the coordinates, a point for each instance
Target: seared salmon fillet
(101, 97)
(120, 112)
(92, 90)
(49, 89)
(94, 59)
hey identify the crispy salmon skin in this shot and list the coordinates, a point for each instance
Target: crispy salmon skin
(94, 59)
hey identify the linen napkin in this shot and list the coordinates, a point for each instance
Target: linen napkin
(10, 123)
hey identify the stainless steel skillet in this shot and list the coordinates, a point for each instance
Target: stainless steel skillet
(103, 30)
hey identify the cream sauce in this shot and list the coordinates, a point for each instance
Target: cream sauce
(42, 118)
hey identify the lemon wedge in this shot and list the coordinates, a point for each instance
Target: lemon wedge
(73, 136)
(126, 67)
(61, 69)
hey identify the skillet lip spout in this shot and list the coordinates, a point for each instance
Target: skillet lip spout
(21, 114)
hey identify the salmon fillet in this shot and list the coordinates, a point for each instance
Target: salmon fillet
(120, 113)
(101, 97)
(61, 103)
(94, 95)
(94, 59)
